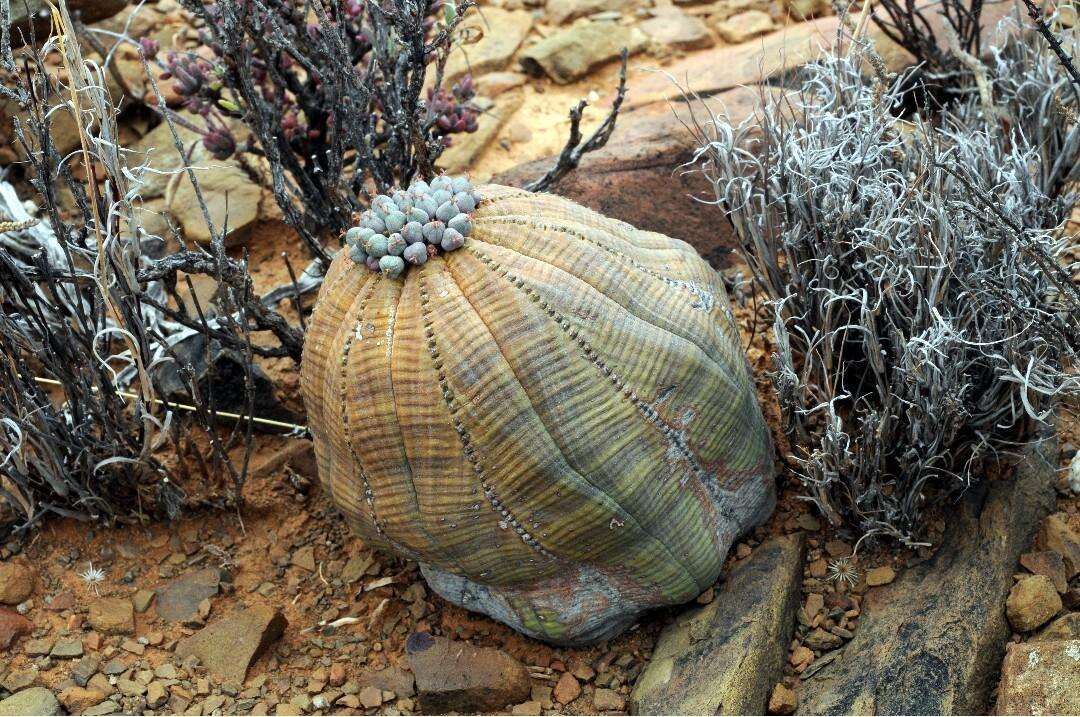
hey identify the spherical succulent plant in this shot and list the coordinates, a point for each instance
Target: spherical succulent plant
(409, 226)
(555, 420)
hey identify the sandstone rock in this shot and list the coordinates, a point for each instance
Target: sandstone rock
(32, 701)
(38, 648)
(745, 26)
(85, 669)
(494, 84)
(17, 680)
(782, 701)
(24, 12)
(304, 558)
(12, 627)
(679, 30)
(179, 600)
(880, 576)
(723, 9)
(393, 679)
(566, 689)
(156, 694)
(896, 58)
(464, 148)
(819, 639)
(1032, 602)
(299, 455)
(635, 178)
(806, 9)
(156, 150)
(724, 658)
(560, 11)
(156, 220)
(1066, 627)
(605, 700)
(455, 676)
(64, 600)
(16, 582)
(1048, 563)
(1057, 534)
(229, 191)
(228, 646)
(1040, 678)
(801, 655)
(67, 649)
(501, 33)
(112, 616)
(370, 697)
(569, 54)
(107, 707)
(77, 700)
(728, 67)
(141, 600)
(336, 676)
(530, 707)
(234, 202)
(931, 642)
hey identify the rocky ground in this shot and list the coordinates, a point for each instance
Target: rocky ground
(277, 609)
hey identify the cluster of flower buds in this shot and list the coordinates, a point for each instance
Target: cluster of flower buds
(149, 48)
(413, 225)
(194, 80)
(220, 142)
(452, 109)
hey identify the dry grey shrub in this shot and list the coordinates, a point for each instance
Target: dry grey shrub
(91, 320)
(922, 320)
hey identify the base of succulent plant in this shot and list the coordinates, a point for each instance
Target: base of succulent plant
(570, 610)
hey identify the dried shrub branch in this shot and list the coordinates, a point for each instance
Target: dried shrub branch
(574, 149)
(334, 94)
(88, 307)
(921, 317)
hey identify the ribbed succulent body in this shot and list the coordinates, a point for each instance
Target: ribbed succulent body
(556, 420)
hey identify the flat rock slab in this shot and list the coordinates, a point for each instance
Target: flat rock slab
(752, 62)
(569, 54)
(12, 627)
(32, 701)
(501, 33)
(179, 600)
(637, 178)
(464, 148)
(454, 676)
(724, 658)
(112, 616)
(228, 646)
(1040, 678)
(932, 641)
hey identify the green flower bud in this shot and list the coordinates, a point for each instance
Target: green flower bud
(395, 244)
(392, 266)
(395, 221)
(416, 253)
(376, 245)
